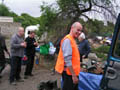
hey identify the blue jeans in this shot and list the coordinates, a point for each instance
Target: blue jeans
(15, 68)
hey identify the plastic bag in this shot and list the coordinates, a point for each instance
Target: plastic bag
(24, 60)
(44, 49)
(52, 50)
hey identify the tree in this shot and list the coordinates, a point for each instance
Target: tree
(47, 19)
(60, 19)
(26, 20)
(4, 10)
(97, 27)
(73, 9)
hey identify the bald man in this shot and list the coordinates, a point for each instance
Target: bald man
(68, 62)
(17, 52)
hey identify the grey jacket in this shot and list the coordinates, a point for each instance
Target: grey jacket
(16, 48)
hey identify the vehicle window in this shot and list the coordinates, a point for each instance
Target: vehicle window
(116, 52)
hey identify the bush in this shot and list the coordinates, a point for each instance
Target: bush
(102, 56)
(101, 52)
(102, 49)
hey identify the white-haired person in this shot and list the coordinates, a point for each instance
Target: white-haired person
(84, 47)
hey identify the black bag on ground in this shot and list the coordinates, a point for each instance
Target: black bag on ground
(48, 85)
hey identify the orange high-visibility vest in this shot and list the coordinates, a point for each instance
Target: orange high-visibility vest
(75, 58)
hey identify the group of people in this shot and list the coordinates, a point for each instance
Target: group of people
(68, 62)
(70, 56)
(19, 48)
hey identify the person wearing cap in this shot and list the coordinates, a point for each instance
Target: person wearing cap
(68, 61)
(84, 47)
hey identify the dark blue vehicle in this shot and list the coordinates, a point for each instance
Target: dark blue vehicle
(111, 77)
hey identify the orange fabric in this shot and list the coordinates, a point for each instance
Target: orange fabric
(75, 58)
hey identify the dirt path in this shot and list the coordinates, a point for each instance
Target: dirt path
(29, 84)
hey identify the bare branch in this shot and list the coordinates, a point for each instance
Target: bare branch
(107, 10)
(86, 17)
(77, 6)
(81, 5)
(89, 8)
(95, 10)
(105, 7)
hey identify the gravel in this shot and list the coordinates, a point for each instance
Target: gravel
(31, 83)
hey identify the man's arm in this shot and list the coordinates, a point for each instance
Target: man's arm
(74, 77)
(14, 43)
(5, 47)
(2, 38)
(87, 48)
(4, 44)
(67, 53)
(35, 43)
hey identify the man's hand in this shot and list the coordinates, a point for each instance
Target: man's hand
(83, 56)
(36, 44)
(8, 53)
(23, 44)
(75, 79)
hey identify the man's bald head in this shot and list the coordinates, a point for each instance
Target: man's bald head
(76, 29)
(21, 31)
(76, 24)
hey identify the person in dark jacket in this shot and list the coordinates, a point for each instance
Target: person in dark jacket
(30, 53)
(2, 54)
(84, 47)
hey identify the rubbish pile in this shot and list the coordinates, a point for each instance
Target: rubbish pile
(94, 67)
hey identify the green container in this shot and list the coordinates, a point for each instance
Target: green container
(44, 49)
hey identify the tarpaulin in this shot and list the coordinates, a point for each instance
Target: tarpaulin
(89, 81)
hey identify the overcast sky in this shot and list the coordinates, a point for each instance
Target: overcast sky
(31, 7)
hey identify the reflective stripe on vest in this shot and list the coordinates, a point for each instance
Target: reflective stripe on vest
(75, 58)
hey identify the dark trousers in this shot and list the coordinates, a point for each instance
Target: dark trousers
(15, 68)
(81, 57)
(2, 66)
(68, 82)
(29, 66)
(2, 62)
